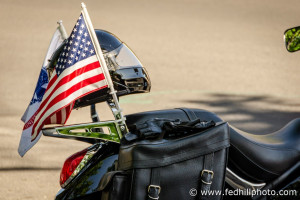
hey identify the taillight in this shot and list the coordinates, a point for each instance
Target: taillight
(75, 163)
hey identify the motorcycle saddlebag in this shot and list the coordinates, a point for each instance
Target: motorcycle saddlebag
(184, 168)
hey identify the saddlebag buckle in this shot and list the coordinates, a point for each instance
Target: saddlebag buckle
(208, 175)
(153, 191)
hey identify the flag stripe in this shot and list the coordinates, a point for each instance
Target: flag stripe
(63, 84)
(52, 119)
(58, 116)
(76, 95)
(78, 82)
(69, 79)
(70, 71)
(65, 94)
(63, 115)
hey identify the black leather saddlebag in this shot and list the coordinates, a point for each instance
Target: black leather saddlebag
(183, 168)
(188, 167)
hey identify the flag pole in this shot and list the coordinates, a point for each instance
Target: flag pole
(62, 30)
(117, 111)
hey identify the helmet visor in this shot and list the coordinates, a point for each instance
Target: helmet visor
(120, 58)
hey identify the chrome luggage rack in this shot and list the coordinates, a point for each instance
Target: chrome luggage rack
(116, 128)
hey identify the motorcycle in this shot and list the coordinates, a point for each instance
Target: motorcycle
(262, 166)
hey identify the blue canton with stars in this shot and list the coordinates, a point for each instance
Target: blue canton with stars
(78, 47)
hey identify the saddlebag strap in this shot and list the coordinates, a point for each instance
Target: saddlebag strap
(190, 114)
(207, 175)
(154, 187)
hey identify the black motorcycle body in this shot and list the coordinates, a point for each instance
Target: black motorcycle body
(269, 162)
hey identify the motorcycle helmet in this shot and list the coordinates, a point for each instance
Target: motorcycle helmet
(127, 73)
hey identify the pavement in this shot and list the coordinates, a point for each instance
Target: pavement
(224, 56)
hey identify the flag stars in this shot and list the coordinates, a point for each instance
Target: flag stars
(79, 47)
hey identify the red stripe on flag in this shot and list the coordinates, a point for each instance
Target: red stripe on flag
(58, 116)
(30, 121)
(65, 94)
(67, 79)
(71, 107)
(52, 81)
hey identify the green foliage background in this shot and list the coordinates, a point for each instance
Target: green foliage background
(292, 39)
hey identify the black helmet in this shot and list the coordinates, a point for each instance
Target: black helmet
(127, 73)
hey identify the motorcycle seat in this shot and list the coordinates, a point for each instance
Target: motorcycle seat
(265, 157)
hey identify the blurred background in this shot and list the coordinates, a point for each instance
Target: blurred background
(224, 56)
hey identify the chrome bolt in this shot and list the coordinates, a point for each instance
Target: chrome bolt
(122, 128)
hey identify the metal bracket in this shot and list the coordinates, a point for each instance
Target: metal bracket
(87, 130)
(119, 117)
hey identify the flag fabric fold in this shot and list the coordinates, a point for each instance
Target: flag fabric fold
(29, 115)
(77, 73)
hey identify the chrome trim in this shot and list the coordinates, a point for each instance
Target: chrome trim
(121, 124)
(89, 131)
(239, 183)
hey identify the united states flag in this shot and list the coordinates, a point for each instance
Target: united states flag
(76, 74)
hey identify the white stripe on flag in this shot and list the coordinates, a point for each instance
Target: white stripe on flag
(68, 100)
(53, 119)
(63, 115)
(66, 86)
(68, 71)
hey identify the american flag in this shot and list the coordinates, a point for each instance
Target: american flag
(76, 74)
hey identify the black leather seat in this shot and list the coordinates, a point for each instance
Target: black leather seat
(265, 157)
